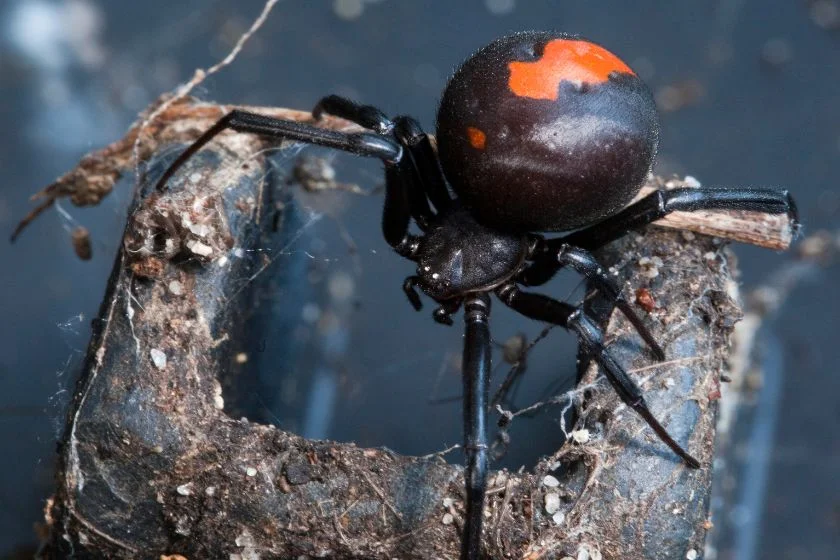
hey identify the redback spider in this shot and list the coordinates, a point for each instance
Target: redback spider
(537, 131)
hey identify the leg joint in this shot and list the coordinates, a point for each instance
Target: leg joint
(408, 246)
(507, 293)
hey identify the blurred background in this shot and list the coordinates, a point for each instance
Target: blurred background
(749, 93)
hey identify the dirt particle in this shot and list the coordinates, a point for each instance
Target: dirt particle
(158, 358)
(148, 267)
(650, 266)
(714, 392)
(245, 539)
(199, 248)
(691, 182)
(81, 243)
(176, 288)
(552, 502)
(298, 473)
(581, 436)
(645, 300)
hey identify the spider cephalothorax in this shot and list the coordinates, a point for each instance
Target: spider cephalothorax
(538, 131)
(458, 255)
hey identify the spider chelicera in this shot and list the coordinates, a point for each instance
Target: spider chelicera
(538, 131)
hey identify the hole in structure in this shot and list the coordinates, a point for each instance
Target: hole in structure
(335, 351)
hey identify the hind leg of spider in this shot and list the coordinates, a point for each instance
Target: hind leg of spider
(584, 263)
(659, 204)
(543, 308)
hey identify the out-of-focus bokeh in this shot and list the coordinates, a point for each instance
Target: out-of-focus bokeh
(749, 93)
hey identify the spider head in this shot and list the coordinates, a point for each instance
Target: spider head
(459, 255)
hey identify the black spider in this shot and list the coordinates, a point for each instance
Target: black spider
(537, 131)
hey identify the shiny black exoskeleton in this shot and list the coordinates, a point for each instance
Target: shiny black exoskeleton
(538, 131)
(458, 255)
(533, 140)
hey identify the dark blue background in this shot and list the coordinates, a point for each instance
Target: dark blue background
(752, 123)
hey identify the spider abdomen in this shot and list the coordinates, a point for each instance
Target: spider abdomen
(544, 131)
(458, 255)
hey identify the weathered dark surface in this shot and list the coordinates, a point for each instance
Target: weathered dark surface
(151, 465)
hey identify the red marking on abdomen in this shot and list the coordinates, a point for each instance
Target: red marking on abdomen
(563, 59)
(477, 137)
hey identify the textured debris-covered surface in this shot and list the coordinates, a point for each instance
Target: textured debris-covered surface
(152, 464)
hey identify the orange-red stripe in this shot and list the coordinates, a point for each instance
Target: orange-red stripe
(563, 59)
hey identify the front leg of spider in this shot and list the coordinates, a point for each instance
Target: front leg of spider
(476, 368)
(584, 263)
(543, 308)
(443, 314)
(359, 143)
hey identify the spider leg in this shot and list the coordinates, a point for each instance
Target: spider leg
(543, 308)
(359, 143)
(659, 204)
(427, 166)
(397, 213)
(476, 375)
(410, 289)
(398, 206)
(585, 264)
(443, 314)
(420, 167)
(347, 109)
